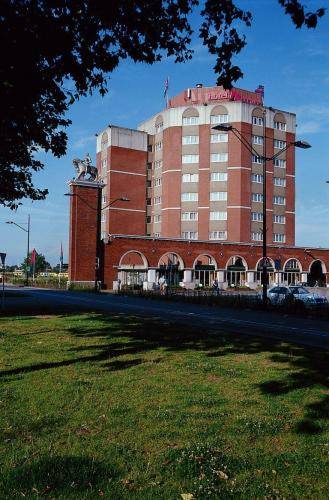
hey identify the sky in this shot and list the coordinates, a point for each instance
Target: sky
(291, 64)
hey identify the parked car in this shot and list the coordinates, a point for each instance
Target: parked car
(299, 294)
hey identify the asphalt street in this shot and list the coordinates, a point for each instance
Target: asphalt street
(216, 319)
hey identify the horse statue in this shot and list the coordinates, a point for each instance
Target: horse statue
(85, 167)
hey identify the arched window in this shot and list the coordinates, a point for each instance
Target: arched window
(190, 117)
(257, 117)
(132, 269)
(170, 267)
(292, 272)
(104, 140)
(270, 268)
(279, 122)
(236, 274)
(204, 270)
(219, 114)
(159, 124)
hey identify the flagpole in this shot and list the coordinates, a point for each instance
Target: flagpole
(60, 266)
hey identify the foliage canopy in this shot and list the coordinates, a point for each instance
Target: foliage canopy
(60, 50)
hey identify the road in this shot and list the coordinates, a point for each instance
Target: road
(248, 322)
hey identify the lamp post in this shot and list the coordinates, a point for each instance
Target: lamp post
(227, 127)
(99, 210)
(28, 245)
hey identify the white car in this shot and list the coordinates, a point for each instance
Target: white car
(279, 294)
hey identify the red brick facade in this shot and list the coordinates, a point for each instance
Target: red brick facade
(84, 203)
(120, 251)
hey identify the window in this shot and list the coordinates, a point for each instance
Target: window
(257, 216)
(218, 215)
(218, 157)
(149, 148)
(190, 178)
(219, 138)
(219, 176)
(279, 219)
(148, 219)
(157, 200)
(104, 199)
(157, 218)
(257, 139)
(218, 196)
(158, 128)
(219, 119)
(280, 126)
(158, 146)
(257, 120)
(279, 181)
(190, 139)
(256, 159)
(218, 235)
(280, 163)
(189, 216)
(104, 140)
(257, 236)
(190, 235)
(157, 235)
(257, 178)
(190, 120)
(157, 182)
(158, 164)
(279, 144)
(149, 166)
(256, 197)
(189, 197)
(279, 200)
(279, 238)
(190, 159)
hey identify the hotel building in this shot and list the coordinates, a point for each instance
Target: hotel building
(186, 180)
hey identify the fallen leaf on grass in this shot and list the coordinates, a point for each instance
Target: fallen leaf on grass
(221, 474)
(128, 483)
(214, 378)
(82, 432)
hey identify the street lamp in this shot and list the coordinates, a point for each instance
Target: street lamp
(28, 244)
(227, 127)
(98, 227)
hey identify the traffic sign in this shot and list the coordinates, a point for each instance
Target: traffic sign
(3, 258)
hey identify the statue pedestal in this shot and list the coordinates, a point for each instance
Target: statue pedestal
(84, 232)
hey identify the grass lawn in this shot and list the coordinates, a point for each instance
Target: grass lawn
(119, 407)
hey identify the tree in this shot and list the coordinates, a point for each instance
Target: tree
(55, 51)
(40, 263)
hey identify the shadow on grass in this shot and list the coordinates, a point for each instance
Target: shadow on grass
(303, 367)
(67, 476)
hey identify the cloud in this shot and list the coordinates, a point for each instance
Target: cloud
(83, 142)
(312, 118)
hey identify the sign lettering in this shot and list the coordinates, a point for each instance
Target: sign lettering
(236, 95)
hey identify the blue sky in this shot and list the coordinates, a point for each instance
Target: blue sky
(291, 64)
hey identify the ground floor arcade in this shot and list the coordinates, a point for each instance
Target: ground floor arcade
(144, 262)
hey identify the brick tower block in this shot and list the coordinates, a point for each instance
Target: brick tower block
(84, 231)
